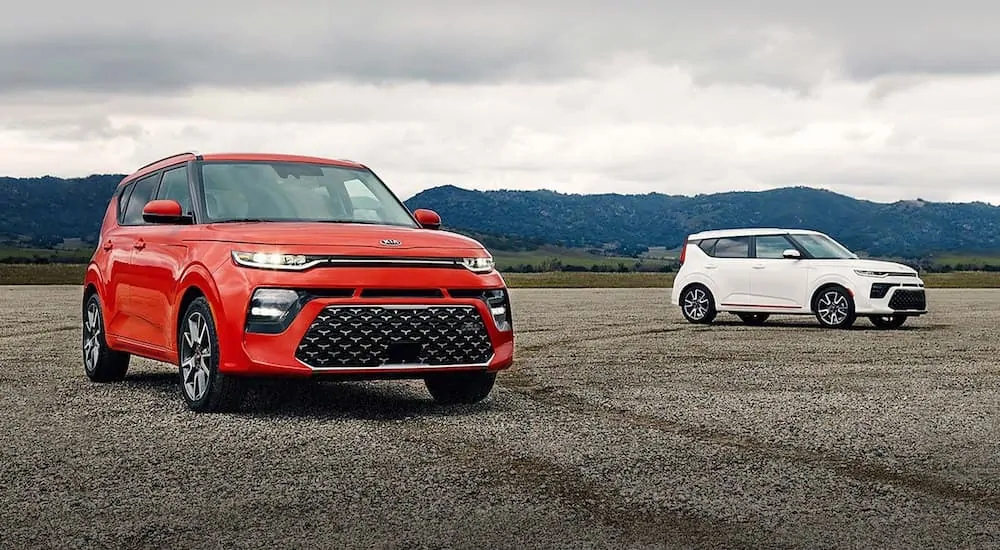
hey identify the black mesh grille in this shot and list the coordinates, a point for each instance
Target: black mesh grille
(908, 299)
(343, 336)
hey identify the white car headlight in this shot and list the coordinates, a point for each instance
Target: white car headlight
(479, 265)
(865, 273)
(271, 260)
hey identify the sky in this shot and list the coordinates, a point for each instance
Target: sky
(882, 100)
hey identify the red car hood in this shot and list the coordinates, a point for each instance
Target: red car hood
(323, 237)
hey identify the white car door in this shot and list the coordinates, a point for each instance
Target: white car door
(777, 282)
(729, 269)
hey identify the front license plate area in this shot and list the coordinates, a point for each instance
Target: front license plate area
(402, 353)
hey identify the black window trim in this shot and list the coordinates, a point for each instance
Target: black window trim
(752, 250)
(187, 168)
(123, 195)
(711, 253)
(786, 236)
(126, 191)
(156, 188)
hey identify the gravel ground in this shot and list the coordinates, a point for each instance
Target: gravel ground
(620, 426)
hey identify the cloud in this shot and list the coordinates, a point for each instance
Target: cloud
(124, 47)
(883, 100)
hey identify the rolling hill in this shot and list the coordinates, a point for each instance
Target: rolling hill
(44, 211)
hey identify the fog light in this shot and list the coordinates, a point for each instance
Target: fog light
(272, 309)
(499, 305)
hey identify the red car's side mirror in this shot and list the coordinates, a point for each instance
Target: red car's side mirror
(164, 211)
(427, 219)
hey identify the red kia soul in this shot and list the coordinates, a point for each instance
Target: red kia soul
(233, 266)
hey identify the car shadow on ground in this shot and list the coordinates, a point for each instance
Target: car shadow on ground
(268, 397)
(861, 324)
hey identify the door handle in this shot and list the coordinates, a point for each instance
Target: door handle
(711, 266)
(759, 266)
(108, 245)
(140, 244)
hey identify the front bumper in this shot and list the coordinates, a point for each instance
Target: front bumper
(892, 297)
(424, 322)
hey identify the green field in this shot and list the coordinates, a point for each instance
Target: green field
(82, 254)
(58, 274)
(568, 256)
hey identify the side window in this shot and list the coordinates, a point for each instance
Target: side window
(772, 246)
(141, 194)
(708, 246)
(175, 186)
(733, 247)
(123, 200)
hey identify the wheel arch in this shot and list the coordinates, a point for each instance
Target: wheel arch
(93, 283)
(825, 286)
(194, 283)
(696, 280)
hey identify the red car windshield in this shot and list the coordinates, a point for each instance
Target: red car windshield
(297, 192)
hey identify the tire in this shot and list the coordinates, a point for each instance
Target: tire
(460, 387)
(887, 321)
(698, 305)
(100, 363)
(203, 387)
(754, 319)
(834, 307)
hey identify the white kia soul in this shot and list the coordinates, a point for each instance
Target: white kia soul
(755, 273)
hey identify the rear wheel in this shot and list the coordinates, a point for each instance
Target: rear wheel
(754, 319)
(460, 387)
(204, 388)
(698, 305)
(100, 363)
(834, 308)
(888, 321)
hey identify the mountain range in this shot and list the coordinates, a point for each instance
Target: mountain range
(43, 211)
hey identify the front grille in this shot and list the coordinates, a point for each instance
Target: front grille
(360, 337)
(908, 299)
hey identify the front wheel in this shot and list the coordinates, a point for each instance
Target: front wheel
(834, 308)
(204, 388)
(698, 305)
(460, 387)
(888, 321)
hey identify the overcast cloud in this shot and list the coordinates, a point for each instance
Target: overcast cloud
(883, 100)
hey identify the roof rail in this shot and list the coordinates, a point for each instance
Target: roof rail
(190, 152)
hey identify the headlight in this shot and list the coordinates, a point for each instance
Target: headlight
(864, 273)
(271, 260)
(479, 265)
(499, 305)
(272, 309)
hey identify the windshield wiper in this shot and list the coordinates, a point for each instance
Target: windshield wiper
(243, 220)
(369, 222)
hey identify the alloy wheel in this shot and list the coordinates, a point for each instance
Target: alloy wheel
(92, 337)
(195, 356)
(696, 304)
(833, 308)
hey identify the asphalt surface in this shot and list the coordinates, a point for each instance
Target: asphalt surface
(620, 426)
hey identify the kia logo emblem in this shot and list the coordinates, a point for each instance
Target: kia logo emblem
(390, 242)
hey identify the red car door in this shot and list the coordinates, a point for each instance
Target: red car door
(131, 325)
(158, 258)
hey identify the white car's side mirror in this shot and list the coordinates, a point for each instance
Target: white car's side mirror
(791, 254)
